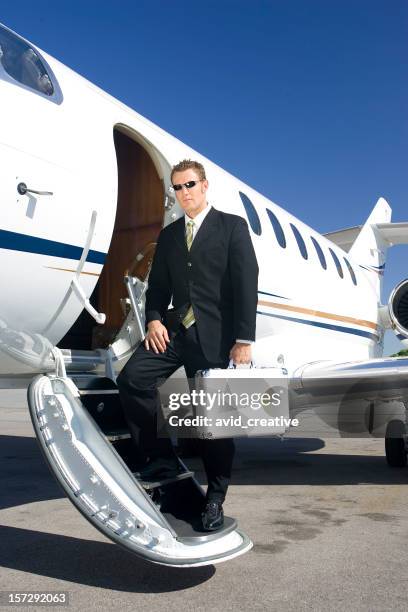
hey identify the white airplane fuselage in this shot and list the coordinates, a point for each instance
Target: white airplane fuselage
(308, 309)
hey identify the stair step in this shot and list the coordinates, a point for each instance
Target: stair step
(154, 484)
(114, 436)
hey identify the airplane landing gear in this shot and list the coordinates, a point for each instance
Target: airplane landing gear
(395, 444)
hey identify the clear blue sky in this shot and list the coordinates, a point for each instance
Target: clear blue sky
(304, 100)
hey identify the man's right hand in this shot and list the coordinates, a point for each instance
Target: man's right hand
(156, 337)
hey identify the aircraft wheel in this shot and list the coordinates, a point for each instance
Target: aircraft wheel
(395, 451)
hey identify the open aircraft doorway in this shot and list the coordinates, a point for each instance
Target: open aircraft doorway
(139, 219)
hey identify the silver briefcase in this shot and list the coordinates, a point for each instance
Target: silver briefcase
(240, 402)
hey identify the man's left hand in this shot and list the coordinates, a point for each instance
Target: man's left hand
(240, 353)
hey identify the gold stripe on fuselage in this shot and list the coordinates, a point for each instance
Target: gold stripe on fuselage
(74, 271)
(319, 313)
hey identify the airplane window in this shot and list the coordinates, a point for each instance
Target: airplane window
(23, 64)
(252, 215)
(337, 262)
(277, 228)
(320, 253)
(300, 241)
(350, 269)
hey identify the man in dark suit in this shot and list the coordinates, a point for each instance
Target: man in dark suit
(205, 264)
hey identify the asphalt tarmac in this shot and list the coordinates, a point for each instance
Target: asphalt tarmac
(328, 519)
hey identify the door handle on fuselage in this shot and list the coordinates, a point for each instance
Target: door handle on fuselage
(23, 189)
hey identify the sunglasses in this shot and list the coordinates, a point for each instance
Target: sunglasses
(189, 185)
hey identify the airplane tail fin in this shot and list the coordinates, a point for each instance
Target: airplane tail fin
(367, 244)
(369, 249)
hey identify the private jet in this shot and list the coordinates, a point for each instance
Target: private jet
(86, 190)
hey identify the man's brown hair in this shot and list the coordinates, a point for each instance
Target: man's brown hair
(189, 164)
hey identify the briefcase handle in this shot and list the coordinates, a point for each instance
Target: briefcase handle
(232, 366)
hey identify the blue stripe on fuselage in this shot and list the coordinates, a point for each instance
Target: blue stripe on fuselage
(31, 244)
(273, 295)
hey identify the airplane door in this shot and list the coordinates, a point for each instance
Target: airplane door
(47, 202)
(147, 519)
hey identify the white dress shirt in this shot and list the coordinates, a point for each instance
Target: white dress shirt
(198, 220)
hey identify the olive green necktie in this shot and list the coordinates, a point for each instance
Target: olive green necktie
(189, 318)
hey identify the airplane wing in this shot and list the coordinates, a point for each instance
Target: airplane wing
(392, 234)
(344, 238)
(374, 379)
(354, 399)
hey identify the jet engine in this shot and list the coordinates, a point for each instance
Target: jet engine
(396, 312)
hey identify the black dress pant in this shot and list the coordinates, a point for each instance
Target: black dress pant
(137, 384)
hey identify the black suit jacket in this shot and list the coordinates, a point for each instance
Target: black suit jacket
(218, 277)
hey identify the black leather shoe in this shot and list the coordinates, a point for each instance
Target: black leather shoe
(162, 467)
(213, 516)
